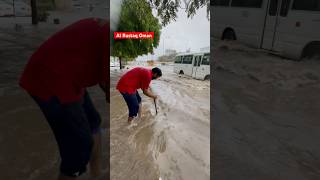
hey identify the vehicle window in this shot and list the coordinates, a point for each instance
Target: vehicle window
(247, 3)
(273, 7)
(284, 8)
(178, 59)
(221, 2)
(187, 59)
(308, 5)
(206, 59)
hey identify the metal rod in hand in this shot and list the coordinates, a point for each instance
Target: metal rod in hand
(155, 106)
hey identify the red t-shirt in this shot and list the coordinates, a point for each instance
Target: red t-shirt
(136, 78)
(69, 61)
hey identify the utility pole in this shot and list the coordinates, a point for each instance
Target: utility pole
(34, 12)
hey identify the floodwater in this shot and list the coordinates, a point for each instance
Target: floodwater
(266, 115)
(171, 145)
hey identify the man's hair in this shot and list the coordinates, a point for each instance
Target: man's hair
(157, 71)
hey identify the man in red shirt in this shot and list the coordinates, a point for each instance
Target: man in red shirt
(130, 82)
(57, 76)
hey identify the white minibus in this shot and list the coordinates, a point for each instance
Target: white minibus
(289, 28)
(196, 65)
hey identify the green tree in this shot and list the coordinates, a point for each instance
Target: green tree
(167, 9)
(136, 16)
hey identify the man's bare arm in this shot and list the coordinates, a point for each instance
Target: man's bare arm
(148, 93)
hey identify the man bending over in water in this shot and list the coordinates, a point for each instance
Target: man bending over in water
(131, 81)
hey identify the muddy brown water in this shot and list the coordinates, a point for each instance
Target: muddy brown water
(172, 145)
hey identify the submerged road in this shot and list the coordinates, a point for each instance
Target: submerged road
(265, 116)
(175, 143)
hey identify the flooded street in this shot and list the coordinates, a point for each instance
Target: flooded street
(171, 145)
(266, 115)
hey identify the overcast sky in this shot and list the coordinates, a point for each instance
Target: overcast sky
(184, 33)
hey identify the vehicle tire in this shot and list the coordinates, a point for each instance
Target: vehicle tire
(312, 50)
(229, 35)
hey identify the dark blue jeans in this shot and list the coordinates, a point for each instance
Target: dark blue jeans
(73, 125)
(133, 101)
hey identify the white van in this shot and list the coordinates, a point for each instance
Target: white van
(289, 28)
(196, 65)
